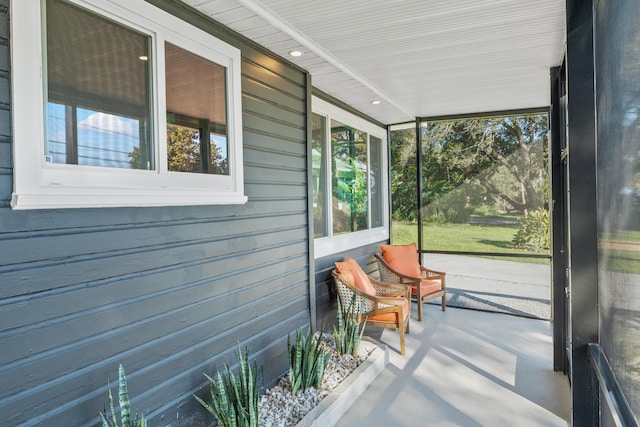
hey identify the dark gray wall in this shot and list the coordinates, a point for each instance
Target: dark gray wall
(168, 292)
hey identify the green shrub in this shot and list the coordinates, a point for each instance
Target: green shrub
(110, 420)
(448, 207)
(235, 398)
(534, 232)
(307, 359)
(349, 333)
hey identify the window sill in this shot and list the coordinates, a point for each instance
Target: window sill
(62, 200)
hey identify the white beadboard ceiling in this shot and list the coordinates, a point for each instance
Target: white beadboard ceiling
(420, 58)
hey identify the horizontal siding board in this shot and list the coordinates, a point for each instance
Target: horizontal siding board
(264, 124)
(279, 175)
(275, 160)
(273, 111)
(283, 99)
(5, 159)
(26, 224)
(260, 140)
(280, 76)
(266, 190)
(5, 120)
(6, 186)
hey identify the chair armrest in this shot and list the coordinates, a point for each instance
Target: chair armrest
(428, 273)
(392, 289)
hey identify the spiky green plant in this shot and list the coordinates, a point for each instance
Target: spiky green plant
(308, 358)
(235, 398)
(349, 332)
(125, 406)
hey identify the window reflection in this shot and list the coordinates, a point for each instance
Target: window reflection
(196, 91)
(98, 110)
(349, 176)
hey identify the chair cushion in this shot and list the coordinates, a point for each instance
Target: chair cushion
(352, 271)
(428, 287)
(402, 258)
(392, 317)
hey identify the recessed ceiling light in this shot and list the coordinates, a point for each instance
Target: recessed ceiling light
(295, 53)
(375, 102)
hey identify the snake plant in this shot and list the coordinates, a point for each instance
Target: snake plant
(308, 358)
(110, 420)
(235, 398)
(349, 333)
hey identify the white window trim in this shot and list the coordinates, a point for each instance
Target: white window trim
(38, 184)
(324, 246)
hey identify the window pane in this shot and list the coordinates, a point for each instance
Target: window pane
(98, 85)
(318, 135)
(349, 178)
(375, 181)
(196, 97)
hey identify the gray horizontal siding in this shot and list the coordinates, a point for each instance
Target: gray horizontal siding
(6, 182)
(168, 292)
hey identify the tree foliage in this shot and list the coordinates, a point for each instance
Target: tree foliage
(184, 153)
(493, 160)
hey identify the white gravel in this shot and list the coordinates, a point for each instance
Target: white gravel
(278, 407)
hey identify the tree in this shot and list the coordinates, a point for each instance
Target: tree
(498, 157)
(183, 149)
(403, 175)
(184, 153)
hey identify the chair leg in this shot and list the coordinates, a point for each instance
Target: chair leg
(419, 300)
(444, 302)
(401, 329)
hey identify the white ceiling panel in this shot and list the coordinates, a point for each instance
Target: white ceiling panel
(420, 58)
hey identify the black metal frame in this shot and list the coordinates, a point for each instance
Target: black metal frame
(582, 209)
(610, 389)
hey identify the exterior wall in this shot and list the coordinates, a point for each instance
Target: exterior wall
(167, 292)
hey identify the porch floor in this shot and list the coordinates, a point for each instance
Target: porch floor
(466, 368)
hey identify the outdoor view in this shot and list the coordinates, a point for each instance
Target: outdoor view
(485, 196)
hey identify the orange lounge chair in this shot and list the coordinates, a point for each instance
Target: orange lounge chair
(400, 264)
(377, 303)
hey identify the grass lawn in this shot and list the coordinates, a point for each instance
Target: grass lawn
(462, 237)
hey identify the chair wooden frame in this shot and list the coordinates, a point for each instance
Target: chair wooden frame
(388, 274)
(370, 305)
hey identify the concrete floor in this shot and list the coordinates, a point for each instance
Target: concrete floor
(513, 287)
(466, 368)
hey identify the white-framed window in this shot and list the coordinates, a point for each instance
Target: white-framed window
(349, 180)
(118, 103)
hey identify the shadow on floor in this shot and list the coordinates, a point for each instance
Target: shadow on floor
(466, 368)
